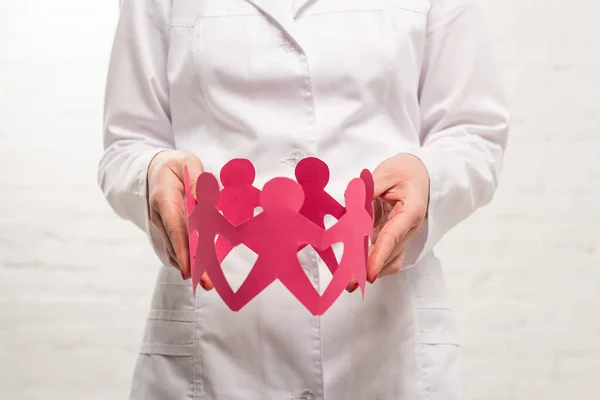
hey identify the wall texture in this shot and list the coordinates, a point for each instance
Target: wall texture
(524, 273)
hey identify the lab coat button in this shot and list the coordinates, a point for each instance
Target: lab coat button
(294, 158)
(288, 46)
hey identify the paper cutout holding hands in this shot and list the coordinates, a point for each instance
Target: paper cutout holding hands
(313, 175)
(292, 218)
(280, 230)
(367, 178)
(208, 222)
(352, 229)
(239, 198)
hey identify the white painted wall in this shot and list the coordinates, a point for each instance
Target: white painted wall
(75, 281)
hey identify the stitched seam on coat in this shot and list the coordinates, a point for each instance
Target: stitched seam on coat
(319, 320)
(241, 15)
(198, 392)
(192, 41)
(230, 16)
(417, 348)
(312, 118)
(194, 354)
(410, 10)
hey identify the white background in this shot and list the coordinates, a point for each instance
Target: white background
(75, 282)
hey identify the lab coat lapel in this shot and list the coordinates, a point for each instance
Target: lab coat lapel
(279, 13)
(300, 5)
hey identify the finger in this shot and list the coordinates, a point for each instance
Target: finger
(206, 283)
(173, 263)
(398, 252)
(194, 166)
(387, 240)
(401, 246)
(176, 227)
(170, 210)
(396, 169)
(381, 212)
(157, 221)
(179, 234)
(384, 177)
(352, 285)
(168, 246)
(377, 211)
(394, 266)
(171, 253)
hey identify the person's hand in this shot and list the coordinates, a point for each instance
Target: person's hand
(401, 201)
(166, 203)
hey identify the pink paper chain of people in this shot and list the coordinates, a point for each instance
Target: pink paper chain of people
(293, 217)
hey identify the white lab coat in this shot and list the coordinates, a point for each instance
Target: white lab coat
(351, 82)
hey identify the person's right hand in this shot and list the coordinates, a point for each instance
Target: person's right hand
(166, 204)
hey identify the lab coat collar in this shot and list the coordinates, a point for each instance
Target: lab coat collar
(281, 14)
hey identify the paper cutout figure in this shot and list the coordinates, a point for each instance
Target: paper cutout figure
(352, 229)
(208, 222)
(367, 178)
(313, 175)
(238, 199)
(278, 233)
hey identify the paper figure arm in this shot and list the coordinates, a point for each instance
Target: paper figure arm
(334, 208)
(227, 230)
(309, 233)
(330, 235)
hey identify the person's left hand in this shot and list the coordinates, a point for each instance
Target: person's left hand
(401, 201)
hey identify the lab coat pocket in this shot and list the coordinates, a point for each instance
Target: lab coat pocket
(169, 332)
(436, 325)
(435, 318)
(438, 353)
(165, 366)
(436, 337)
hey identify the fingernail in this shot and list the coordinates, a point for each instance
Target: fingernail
(354, 287)
(203, 284)
(374, 279)
(182, 275)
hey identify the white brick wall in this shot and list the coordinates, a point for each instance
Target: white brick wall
(75, 281)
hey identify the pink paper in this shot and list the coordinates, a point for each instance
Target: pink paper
(207, 222)
(313, 175)
(353, 229)
(367, 178)
(238, 200)
(292, 218)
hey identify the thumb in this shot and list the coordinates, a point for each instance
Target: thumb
(384, 177)
(194, 167)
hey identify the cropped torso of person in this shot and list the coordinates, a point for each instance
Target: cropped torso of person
(352, 82)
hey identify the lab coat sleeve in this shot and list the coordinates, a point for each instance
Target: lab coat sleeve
(137, 122)
(464, 119)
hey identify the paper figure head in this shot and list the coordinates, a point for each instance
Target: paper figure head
(311, 171)
(239, 171)
(355, 194)
(207, 190)
(282, 193)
